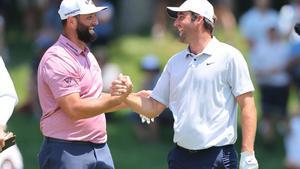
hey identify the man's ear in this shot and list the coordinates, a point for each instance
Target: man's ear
(72, 21)
(200, 19)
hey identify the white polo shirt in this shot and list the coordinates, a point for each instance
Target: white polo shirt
(200, 90)
(8, 95)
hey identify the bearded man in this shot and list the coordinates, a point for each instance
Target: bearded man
(70, 93)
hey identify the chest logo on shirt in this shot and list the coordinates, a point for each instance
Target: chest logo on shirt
(209, 63)
(70, 81)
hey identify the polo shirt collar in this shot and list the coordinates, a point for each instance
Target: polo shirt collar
(208, 50)
(72, 46)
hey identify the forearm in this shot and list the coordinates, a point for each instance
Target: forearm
(78, 108)
(248, 122)
(144, 105)
(115, 108)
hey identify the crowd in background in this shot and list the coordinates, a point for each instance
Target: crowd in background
(273, 54)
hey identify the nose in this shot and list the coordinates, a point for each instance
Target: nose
(95, 20)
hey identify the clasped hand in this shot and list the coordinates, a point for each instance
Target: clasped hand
(121, 86)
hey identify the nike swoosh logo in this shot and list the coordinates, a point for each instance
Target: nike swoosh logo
(210, 63)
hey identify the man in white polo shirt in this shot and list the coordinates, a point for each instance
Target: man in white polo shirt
(70, 93)
(10, 157)
(203, 86)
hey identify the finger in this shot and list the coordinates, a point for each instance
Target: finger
(118, 86)
(120, 77)
(128, 81)
(122, 91)
(2, 144)
(8, 135)
(118, 92)
(143, 120)
(117, 82)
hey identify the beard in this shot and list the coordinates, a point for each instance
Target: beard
(85, 33)
(182, 37)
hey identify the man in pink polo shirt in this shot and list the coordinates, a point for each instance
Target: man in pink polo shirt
(70, 93)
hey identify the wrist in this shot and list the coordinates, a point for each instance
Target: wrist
(247, 149)
(247, 153)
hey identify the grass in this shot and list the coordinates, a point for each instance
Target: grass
(127, 151)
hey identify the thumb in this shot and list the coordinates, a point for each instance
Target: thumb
(120, 76)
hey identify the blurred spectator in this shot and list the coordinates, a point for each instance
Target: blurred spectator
(268, 62)
(255, 21)
(31, 14)
(289, 15)
(293, 67)
(110, 71)
(159, 26)
(104, 29)
(225, 17)
(50, 18)
(10, 158)
(43, 42)
(160, 21)
(150, 66)
(292, 142)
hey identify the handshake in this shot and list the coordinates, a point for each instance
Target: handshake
(122, 87)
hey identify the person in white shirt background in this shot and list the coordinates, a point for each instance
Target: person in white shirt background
(10, 158)
(268, 62)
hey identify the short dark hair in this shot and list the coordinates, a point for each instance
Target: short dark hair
(64, 22)
(208, 25)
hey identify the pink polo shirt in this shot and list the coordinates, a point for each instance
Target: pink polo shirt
(66, 69)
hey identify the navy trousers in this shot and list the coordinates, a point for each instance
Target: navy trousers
(61, 154)
(224, 157)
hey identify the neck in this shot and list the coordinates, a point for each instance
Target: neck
(73, 38)
(198, 44)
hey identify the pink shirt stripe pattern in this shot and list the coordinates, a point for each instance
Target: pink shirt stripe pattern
(66, 69)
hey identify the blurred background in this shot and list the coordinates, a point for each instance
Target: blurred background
(136, 37)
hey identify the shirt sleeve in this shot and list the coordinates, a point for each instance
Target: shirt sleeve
(62, 76)
(239, 77)
(8, 95)
(161, 91)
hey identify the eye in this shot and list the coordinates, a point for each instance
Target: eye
(180, 17)
(90, 17)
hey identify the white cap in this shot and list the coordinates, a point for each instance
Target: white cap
(150, 62)
(75, 7)
(201, 7)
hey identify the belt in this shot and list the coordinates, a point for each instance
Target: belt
(187, 150)
(202, 150)
(50, 139)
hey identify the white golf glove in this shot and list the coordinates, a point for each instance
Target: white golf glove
(248, 161)
(146, 119)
